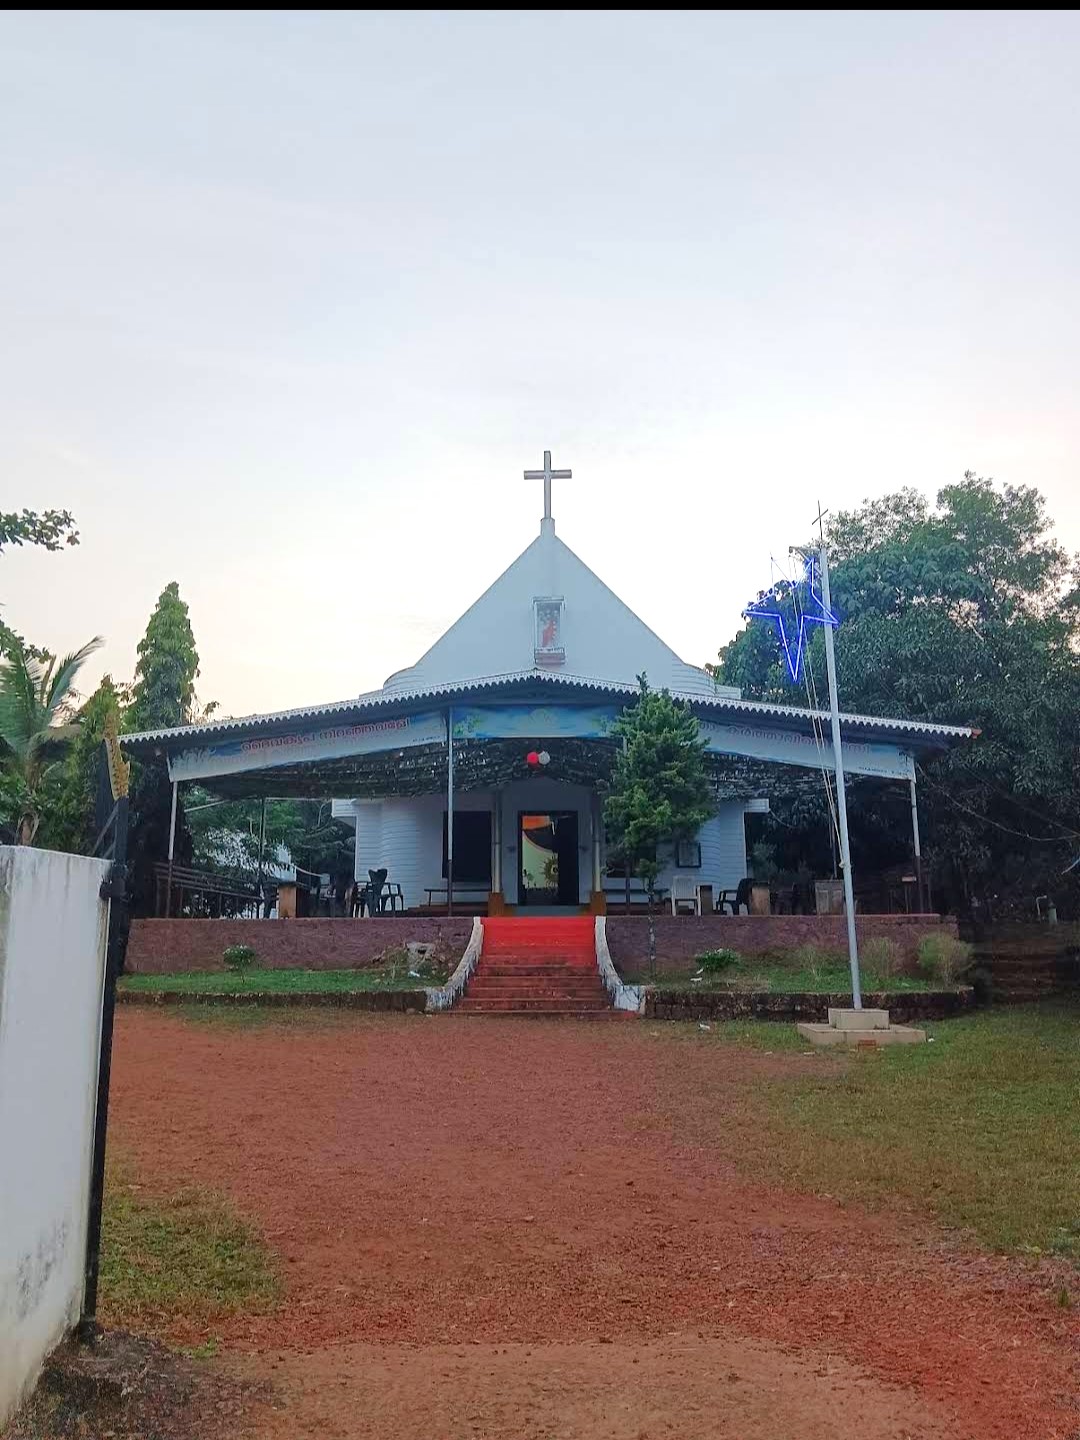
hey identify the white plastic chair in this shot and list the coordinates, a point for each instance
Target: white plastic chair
(684, 891)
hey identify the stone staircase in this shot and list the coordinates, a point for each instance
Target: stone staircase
(542, 966)
(1026, 962)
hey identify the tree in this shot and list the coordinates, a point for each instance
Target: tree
(48, 528)
(163, 696)
(964, 611)
(69, 822)
(164, 691)
(660, 791)
(35, 700)
(225, 836)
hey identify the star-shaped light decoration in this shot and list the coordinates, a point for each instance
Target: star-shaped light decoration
(794, 647)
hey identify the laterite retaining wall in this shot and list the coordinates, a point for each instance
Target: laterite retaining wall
(905, 1008)
(679, 938)
(398, 1001)
(163, 947)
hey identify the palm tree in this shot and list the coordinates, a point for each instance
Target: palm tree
(35, 700)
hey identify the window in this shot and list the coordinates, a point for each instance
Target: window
(547, 625)
(472, 846)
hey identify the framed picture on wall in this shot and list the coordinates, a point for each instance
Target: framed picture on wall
(688, 855)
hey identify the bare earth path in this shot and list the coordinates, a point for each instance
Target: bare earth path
(524, 1229)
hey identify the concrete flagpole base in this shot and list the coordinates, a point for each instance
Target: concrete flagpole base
(860, 1027)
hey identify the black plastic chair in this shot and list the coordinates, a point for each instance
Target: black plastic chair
(376, 898)
(742, 896)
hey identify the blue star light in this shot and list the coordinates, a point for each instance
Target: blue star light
(794, 648)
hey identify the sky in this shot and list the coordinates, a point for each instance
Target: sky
(291, 300)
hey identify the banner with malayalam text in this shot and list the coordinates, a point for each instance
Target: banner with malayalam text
(788, 747)
(327, 742)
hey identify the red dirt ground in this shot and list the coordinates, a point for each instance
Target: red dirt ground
(501, 1228)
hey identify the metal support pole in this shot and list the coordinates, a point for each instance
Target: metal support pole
(172, 849)
(920, 886)
(841, 793)
(496, 843)
(596, 839)
(114, 890)
(450, 811)
(262, 847)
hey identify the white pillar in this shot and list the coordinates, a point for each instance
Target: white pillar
(172, 849)
(916, 843)
(841, 793)
(597, 835)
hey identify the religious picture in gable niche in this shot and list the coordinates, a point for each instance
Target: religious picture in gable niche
(548, 643)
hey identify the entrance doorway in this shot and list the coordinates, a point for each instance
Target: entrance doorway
(548, 858)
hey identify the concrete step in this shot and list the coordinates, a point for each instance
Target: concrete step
(542, 948)
(543, 977)
(536, 962)
(552, 992)
(549, 977)
(594, 1016)
(546, 1004)
(536, 972)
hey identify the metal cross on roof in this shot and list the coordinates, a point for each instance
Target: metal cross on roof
(547, 474)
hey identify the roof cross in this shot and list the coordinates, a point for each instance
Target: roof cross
(547, 474)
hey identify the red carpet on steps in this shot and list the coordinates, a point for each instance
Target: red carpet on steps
(541, 966)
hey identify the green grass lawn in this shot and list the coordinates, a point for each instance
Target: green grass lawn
(279, 982)
(981, 1127)
(776, 976)
(185, 1255)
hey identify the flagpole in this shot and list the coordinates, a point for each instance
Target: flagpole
(841, 793)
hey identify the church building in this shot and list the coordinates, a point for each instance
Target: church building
(475, 777)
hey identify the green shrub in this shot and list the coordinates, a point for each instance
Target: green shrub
(944, 958)
(814, 960)
(714, 961)
(752, 980)
(238, 957)
(882, 957)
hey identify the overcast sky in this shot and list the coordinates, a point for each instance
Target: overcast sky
(290, 301)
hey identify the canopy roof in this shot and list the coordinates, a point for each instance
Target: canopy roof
(533, 685)
(265, 754)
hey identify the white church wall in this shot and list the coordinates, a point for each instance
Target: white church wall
(410, 841)
(368, 821)
(405, 836)
(723, 851)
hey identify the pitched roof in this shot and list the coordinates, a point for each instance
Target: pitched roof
(602, 637)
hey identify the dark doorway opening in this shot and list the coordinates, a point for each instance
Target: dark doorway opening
(548, 858)
(472, 846)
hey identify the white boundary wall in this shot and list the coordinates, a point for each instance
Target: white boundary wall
(53, 928)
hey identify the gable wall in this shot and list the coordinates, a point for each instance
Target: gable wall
(603, 638)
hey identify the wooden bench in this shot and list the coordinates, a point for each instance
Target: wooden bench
(466, 894)
(614, 890)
